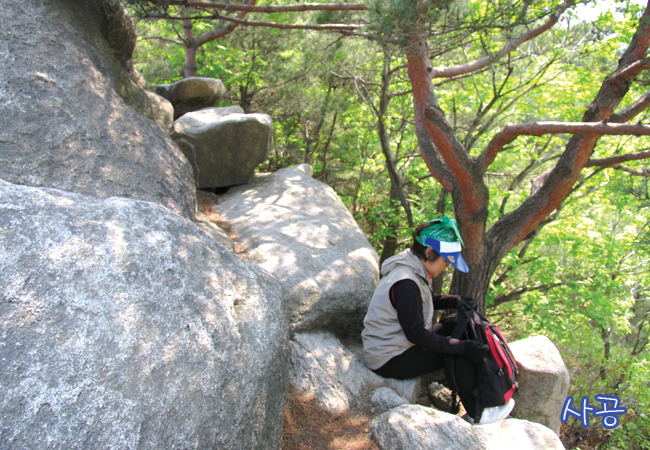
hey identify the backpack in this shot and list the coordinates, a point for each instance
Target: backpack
(490, 383)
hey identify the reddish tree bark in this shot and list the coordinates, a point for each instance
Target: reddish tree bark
(450, 163)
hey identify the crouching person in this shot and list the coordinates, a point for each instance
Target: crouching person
(400, 339)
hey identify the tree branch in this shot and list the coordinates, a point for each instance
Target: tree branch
(639, 173)
(161, 38)
(512, 131)
(633, 110)
(423, 97)
(263, 9)
(514, 227)
(611, 161)
(400, 93)
(445, 72)
(516, 294)
(224, 30)
(628, 72)
(286, 26)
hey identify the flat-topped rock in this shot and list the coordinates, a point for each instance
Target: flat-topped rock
(191, 94)
(411, 427)
(223, 145)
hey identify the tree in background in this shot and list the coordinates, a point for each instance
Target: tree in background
(187, 12)
(448, 157)
(487, 32)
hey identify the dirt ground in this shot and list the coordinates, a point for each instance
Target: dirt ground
(309, 427)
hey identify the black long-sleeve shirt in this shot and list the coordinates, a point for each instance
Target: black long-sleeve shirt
(406, 299)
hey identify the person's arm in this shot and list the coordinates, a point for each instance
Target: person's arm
(445, 301)
(406, 299)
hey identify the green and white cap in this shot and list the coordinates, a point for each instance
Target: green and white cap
(443, 236)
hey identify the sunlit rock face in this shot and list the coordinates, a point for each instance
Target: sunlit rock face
(123, 325)
(298, 229)
(543, 381)
(413, 426)
(334, 375)
(67, 117)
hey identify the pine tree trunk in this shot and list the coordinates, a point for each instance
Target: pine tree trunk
(190, 68)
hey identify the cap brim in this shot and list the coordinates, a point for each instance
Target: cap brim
(456, 260)
(450, 251)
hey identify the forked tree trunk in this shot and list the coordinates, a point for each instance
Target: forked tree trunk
(462, 176)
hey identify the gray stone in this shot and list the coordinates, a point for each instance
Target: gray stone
(223, 145)
(410, 427)
(192, 93)
(298, 229)
(163, 91)
(543, 381)
(214, 231)
(440, 396)
(63, 121)
(385, 398)
(158, 109)
(333, 374)
(123, 326)
(118, 28)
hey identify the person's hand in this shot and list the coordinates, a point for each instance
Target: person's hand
(467, 303)
(475, 351)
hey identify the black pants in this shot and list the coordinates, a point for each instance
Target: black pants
(412, 363)
(417, 361)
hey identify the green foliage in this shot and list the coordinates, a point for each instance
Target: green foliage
(597, 312)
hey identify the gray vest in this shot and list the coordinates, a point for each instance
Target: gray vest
(383, 337)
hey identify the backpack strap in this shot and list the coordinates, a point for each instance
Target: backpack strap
(450, 375)
(465, 317)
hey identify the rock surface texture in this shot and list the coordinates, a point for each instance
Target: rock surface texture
(223, 145)
(543, 381)
(411, 427)
(298, 229)
(191, 94)
(339, 381)
(123, 326)
(65, 122)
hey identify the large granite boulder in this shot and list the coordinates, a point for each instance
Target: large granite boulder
(191, 94)
(411, 427)
(66, 110)
(118, 28)
(123, 325)
(298, 229)
(543, 381)
(335, 376)
(223, 145)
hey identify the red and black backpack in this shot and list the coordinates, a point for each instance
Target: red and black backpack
(489, 383)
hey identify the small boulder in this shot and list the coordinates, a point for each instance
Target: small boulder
(410, 427)
(223, 145)
(191, 94)
(298, 229)
(335, 376)
(543, 381)
(386, 398)
(440, 397)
